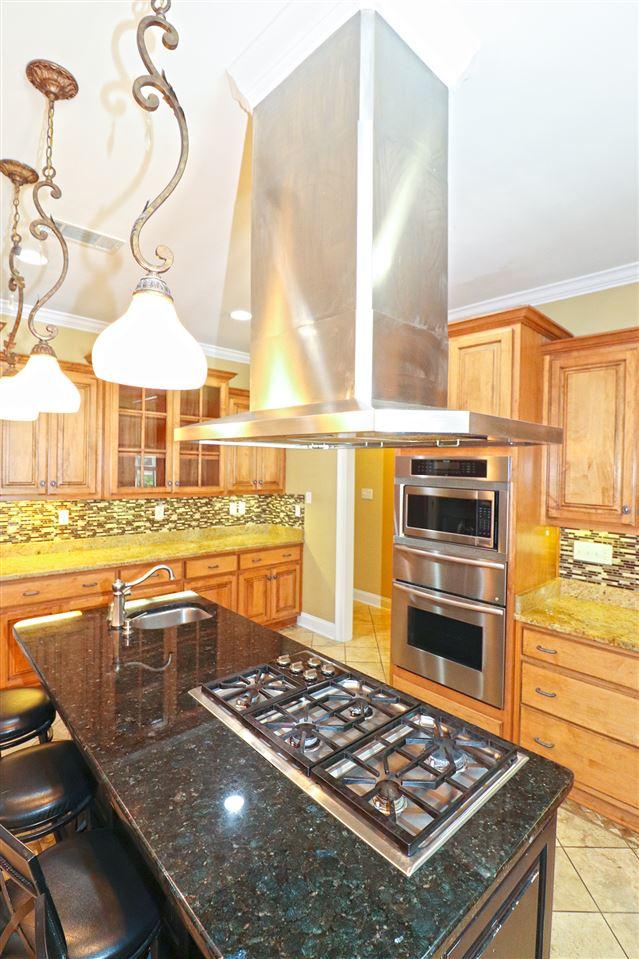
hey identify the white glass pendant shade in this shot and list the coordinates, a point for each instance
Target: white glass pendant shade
(44, 382)
(15, 401)
(148, 346)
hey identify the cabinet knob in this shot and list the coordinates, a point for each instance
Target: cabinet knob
(53, 483)
(177, 482)
(625, 510)
(43, 483)
(169, 482)
(260, 482)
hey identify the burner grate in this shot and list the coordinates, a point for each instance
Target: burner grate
(410, 777)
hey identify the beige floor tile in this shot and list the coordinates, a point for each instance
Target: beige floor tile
(625, 926)
(384, 656)
(570, 894)
(611, 877)
(299, 634)
(335, 651)
(373, 669)
(583, 935)
(319, 640)
(574, 831)
(362, 654)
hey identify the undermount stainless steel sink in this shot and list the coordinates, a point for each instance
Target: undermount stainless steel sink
(166, 618)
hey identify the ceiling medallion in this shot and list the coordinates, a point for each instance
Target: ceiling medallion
(148, 346)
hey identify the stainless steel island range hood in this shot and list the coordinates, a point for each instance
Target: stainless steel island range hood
(349, 341)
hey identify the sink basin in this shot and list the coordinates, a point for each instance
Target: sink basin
(166, 618)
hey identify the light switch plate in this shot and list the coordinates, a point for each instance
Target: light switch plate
(308, 496)
(63, 517)
(366, 493)
(589, 552)
(241, 508)
(298, 510)
(158, 511)
(233, 508)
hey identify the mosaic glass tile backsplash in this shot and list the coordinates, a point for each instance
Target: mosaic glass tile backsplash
(624, 571)
(28, 521)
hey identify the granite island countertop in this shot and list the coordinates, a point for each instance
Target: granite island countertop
(603, 614)
(281, 878)
(65, 556)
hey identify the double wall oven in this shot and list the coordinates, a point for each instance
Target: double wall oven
(450, 572)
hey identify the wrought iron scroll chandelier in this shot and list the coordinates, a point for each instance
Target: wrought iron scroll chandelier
(148, 346)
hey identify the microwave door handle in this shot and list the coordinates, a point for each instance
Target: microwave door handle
(451, 559)
(445, 601)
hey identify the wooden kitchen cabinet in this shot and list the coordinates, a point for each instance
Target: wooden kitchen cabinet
(199, 467)
(59, 454)
(271, 594)
(495, 362)
(253, 469)
(591, 386)
(254, 595)
(220, 589)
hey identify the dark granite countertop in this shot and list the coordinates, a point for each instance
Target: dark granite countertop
(282, 879)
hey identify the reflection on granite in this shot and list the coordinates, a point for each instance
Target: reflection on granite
(282, 877)
(596, 612)
(63, 556)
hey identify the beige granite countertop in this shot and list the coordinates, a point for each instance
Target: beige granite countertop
(65, 556)
(600, 613)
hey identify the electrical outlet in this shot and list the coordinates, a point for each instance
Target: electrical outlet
(589, 552)
(233, 505)
(298, 510)
(308, 496)
(366, 493)
(63, 517)
(158, 511)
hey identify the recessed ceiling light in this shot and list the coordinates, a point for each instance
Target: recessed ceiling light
(32, 257)
(242, 315)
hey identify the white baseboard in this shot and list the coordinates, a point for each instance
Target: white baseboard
(322, 626)
(371, 599)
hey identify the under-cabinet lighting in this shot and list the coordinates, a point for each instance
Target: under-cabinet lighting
(52, 618)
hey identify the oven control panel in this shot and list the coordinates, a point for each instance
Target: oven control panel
(484, 518)
(466, 468)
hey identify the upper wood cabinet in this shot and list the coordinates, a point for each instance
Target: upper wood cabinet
(57, 454)
(495, 363)
(253, 469)
(199, 467)
(591, 386)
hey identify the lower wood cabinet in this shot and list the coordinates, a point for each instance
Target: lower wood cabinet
(580, 708)
(272, 594)
(220, 589)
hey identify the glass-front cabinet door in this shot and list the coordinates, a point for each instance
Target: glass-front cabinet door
(141, 444)
(199, 468)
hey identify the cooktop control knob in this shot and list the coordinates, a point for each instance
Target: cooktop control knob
(310, 675)
(284, 660)
(314, 662)
(328, 669)
(297, 666)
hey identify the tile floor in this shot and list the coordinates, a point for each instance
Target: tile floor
(596, 896)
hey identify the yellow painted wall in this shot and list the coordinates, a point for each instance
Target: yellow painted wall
(374, 469)
(316, 470)
(613, 309)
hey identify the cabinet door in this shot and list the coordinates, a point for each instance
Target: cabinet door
(285, 591)
(221, 590)
(199, 467)
(480, 372)
(242, 460)
(270, 470)
(23, 457)
(14, 667)
(591, 393)
(75, 443)
(140, 440)
(254, 600)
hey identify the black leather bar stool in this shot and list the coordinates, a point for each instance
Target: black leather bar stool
(24, 714)
(92, 902)
(42, 788)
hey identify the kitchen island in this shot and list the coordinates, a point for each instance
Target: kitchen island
(253, 866)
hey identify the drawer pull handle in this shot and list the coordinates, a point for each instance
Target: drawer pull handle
(88, 585)
(213, 566)
(545, 649)
(257, 559)
(541, 742)
(542, 692)
(31, 592)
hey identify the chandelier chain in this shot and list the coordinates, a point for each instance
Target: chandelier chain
(49, 171)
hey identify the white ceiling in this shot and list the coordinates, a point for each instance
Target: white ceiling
(543, 149)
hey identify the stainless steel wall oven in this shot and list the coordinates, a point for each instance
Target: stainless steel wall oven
(450, 565)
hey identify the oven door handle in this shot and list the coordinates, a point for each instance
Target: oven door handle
(447, 558)
(445, 601)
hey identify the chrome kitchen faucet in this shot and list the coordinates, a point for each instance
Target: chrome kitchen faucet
(117, 614)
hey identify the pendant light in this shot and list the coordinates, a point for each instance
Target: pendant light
(42, 380)
(148, 346)
(14, 404)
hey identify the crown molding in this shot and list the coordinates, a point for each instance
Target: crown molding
(550, 292)
(73, 321)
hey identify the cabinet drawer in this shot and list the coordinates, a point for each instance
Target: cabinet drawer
(594, 707)
(211, 565)
(603, 764)
(602, 662)
(129, 573)
(270, 557)
(43, 588)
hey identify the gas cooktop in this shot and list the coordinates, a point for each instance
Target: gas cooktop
(401, 774)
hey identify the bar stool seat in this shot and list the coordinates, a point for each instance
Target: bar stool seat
(24, 713)
(102, 905)
(43, 787)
